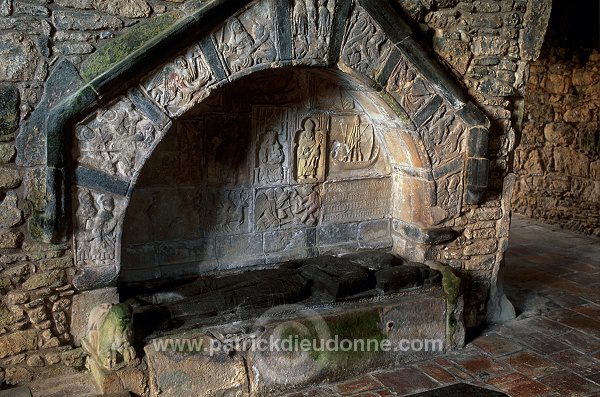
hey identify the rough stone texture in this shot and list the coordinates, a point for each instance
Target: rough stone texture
(83, 303)
(17, 342)
(18, 57)
(494, 76)
(557, 162)
(125, 8)
(9, 112)
(176, 373)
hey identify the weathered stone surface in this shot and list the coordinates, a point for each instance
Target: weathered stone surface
(17, 342)
(10, 178)
(72, 20)
(124, 8)
(196, 373)
(51, 279)
(535, 21)
(9, 112)
(7, 153)
(81, 4)
(10, 239)
(18, 57)
(10, 214)
(83, 303)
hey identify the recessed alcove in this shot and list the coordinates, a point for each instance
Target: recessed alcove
(240, 182)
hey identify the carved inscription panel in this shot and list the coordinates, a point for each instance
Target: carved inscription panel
(356, 200)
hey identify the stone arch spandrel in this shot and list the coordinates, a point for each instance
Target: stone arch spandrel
(446, 149)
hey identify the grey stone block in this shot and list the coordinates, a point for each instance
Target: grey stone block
(472, 116)
(98, 180)
(9, 111)
(337, 233)
(423, 235)
(477, 142)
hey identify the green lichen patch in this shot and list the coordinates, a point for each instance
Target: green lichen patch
(120, 47)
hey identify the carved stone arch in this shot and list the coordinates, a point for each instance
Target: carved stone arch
(365, 40)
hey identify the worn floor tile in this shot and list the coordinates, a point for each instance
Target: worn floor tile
(406, 380)
(568, 384)
(496, 345)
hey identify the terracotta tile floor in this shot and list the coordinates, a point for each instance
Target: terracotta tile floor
(552, 349)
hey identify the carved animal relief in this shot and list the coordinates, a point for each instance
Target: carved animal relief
(366, 45)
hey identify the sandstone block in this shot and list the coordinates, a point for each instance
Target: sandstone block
(10, 239)
(9, 178)
(51, 279)
(17, 342)
(124, 8)
(10, 214)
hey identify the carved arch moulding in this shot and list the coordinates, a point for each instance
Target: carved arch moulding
(364, 40)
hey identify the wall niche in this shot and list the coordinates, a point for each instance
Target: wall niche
(281, 165)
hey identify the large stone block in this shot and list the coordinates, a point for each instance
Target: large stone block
(189, 373)
(51, 279)
(17, 342)
(9, 111)
(124, 8)
(10, 214)
(82, 305)
(18, 57)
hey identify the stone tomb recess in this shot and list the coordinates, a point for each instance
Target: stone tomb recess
(290, 136)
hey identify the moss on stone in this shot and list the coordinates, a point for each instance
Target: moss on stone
(355, 326)
(120, 47)
(450, 284)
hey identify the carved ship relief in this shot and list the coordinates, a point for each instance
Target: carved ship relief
(353, 145)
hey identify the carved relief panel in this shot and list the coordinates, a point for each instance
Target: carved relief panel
(409, 89)
(366, 47)
(179, 84)
(116, 139)
(352, 142)
(248, 39)
(272, 149)
(97, 232)
(311, 27)
(285, 207)
(310, 142)
(225, 211)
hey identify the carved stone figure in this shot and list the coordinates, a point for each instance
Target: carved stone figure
(116, 140)
(308, 203)
(411, 92)
(271, 158)
(104, 230)
(109, 336)
(227, 211)
(174, 86)
(96, 234)
(309, 152)
(242, 50)
(311, 27)
(86, 215)
(366, 45)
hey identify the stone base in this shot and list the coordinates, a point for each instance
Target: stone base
(121, 382)
(235, 359)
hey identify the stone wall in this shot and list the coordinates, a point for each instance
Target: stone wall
(558, 160)
(485, 43)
